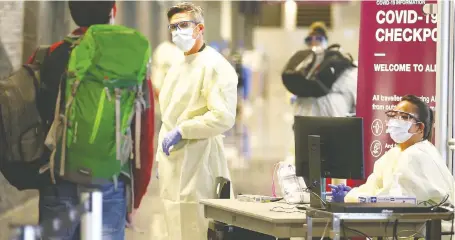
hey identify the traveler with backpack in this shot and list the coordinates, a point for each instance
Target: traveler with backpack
(96, 112)
(198, 100)
(323, 79)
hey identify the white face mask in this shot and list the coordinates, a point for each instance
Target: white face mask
(184, 39)
(399, 130)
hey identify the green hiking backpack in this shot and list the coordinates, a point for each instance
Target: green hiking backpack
(91, 138)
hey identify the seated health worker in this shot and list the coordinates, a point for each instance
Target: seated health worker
(414, 167)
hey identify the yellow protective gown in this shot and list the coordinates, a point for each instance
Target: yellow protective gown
(199, 97)
(417, 171)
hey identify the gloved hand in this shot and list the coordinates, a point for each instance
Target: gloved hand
(339, 192)
(171, 138)
(293, 99)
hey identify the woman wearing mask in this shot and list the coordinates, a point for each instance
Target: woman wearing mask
(414, 167)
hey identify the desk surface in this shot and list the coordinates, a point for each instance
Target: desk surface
(261, 211)
(260, 218)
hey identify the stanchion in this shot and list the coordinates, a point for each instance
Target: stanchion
(89, 212)
(92, 219)
(29, 233)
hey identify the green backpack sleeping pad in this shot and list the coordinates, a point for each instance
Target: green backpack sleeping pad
(91, 136)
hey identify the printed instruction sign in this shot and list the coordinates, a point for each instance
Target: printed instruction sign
(397, 56)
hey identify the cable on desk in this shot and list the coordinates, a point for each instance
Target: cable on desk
(410, 236)
(325, 229)
(418, 232)
(386, 227)
(309, 189)
(434, 204)
(395, 227)
(322, 201)
(452, 222)
(433, 208)
(356, 231)
(285, 210)
(413, 235)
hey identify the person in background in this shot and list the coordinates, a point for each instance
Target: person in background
(165, 54)
(198, 100)
(339, 102)
(55, 199)
(414, 167)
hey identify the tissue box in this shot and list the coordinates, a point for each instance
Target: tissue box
(387, 199)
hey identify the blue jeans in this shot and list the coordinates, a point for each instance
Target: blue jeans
(64, 195)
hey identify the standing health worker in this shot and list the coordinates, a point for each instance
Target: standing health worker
(198, 100)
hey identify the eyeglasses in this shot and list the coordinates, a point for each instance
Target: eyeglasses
(394, 114)
(181, 25)
(309, 39)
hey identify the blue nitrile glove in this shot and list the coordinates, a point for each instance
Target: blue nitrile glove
(173, 137)
(339, 192)
(293, 99)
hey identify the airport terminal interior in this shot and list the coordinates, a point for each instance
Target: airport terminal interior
(265, 34)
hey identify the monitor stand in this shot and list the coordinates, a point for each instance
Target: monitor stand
(316, 182)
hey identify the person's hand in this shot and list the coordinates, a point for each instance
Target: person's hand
(129, 219)
(130, 224)
(339, 192)
(293, 99)
(172, 138)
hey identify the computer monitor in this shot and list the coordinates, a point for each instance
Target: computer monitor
(340, 143)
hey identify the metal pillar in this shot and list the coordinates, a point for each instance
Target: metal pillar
(164, 34)
(444, 80)
(54, 22)
(30, 29)
(237, 26)
(226, 20)
(144, 18)
(29, 232)
(129, 14)
(156, 23)
(212, 17)
(92, 220)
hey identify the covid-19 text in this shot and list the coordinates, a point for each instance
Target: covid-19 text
(388, 33)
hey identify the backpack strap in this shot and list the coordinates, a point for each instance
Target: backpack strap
(60, 123)
(41, 54)
(53, 135)
(118, 122)
(140, 106)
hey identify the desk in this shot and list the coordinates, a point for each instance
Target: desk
(258, 217)
(433, 227)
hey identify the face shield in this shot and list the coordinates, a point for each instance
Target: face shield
(400, 115)
(182, 34)
(398, 125)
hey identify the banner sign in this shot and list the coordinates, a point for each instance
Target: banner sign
(397, 56)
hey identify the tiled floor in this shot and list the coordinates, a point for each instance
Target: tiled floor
(252, 154)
